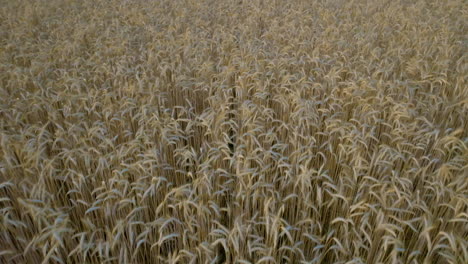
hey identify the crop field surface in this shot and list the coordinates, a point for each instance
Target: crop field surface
(216, 131)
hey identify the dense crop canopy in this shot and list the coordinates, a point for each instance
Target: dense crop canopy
(218, 131)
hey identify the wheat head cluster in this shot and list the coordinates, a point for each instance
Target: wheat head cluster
(216, 131)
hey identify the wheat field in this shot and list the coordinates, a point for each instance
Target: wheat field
(262, 131)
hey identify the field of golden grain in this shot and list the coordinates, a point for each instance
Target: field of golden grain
(216, 131)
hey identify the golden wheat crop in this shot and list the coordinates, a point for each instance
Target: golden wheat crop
(217, 131)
